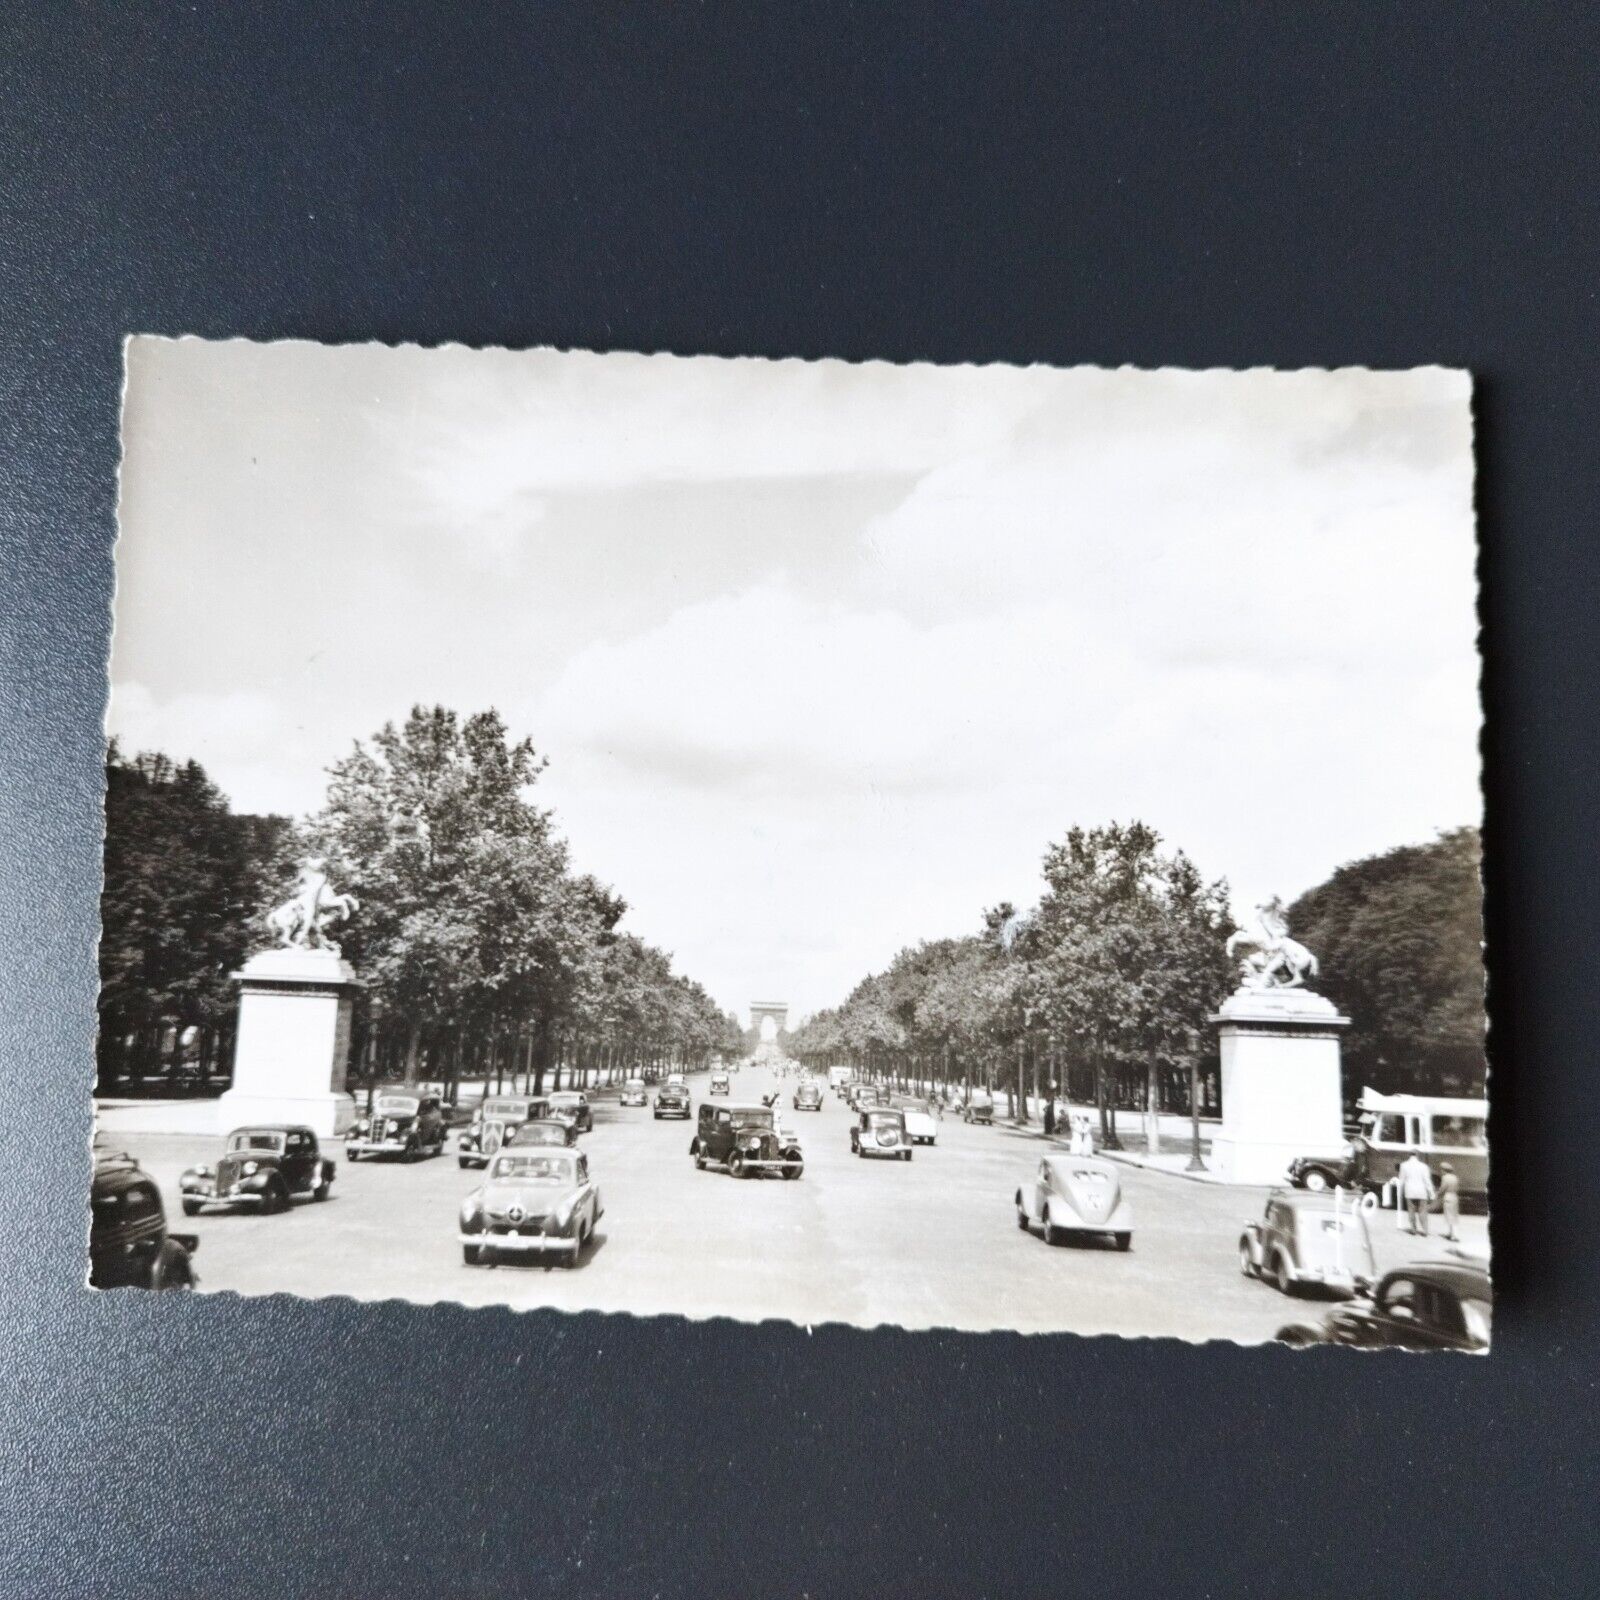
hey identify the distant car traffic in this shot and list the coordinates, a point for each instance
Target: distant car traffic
(1075, 1195)
(922, 1127)
(880, 1131)
(551, 1133)
(1431, 1305)
(573, 1105)
(129, 1246)
(672, 1100)
(808, 1096)
(719, 1083)
(745, 1139)
(261, 1168)
(532, 1203)
(399, 1124)
(867, 1094)
(1306, 1240)
(979, 1107)
(634, 1093)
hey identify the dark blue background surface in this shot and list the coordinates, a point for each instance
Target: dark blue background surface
(1133, 183)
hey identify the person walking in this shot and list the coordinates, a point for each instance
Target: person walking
(1416, 1191)
(1450, 1200)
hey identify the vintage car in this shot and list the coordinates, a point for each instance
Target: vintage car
(718, 1084)
(494, 1120)
(129, 1246)
(1310, 1240)
(745, 1139)
(550, 1133)
(1391, 1127)
(808, 1096)
(867, 1094)
(880, 1131)
(400, 1124)
(538, 1202)
(979, 1107)
(1075, 1195)
(1430, 1305)
(676, 1077)
(922, 1127)
(261, 1167)
(573, 1104)
(634, 1093)
(672, 1100)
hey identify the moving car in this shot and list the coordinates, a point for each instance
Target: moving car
(867, 1094)
(675, 1077)
(129, 1246)
(401, 1123)
(263, 1167)
(573, 1104)
(979, 1107)
(634, 1093)
(808, 1096)
(745, 1139)
(839, 1078)
(550, 1133)
(533, 1203)
(719, 1083)
(1430, 1305)
(672, 1100)
(880, 1131)
(1305, 1240)
(922, 1127)
(494, 1120)
(1075, 1195)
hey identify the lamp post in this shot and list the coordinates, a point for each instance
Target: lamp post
(1195, 1163)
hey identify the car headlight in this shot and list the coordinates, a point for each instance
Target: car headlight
(250, 1167)
(752, 1145)
(363, 1125)
(202, 1172)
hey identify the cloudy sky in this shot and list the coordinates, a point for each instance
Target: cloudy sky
(822, 655)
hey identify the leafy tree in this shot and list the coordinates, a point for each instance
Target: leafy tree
(1399, 937)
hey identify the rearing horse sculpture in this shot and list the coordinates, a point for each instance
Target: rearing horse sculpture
(301, 922)
(1276, 961)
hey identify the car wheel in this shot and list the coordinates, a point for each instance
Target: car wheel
(1247, 1262)
(321, 1190)
(794, 1172)
(277, 1198)
(1316, 1180)
(352, 1155)
(1022, 1219)
(1298, 1338)
(1124, 1241)
(736, 1164)
(1282, 1278)
(1052, 1234)
(413, 1150)
(191, 1208)
(905, 1155)
(463, 1163)
(472, 1254)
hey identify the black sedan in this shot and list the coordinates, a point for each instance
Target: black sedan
(1430, 1305)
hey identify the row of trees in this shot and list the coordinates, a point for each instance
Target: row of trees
(483, 952)
(1105, 989)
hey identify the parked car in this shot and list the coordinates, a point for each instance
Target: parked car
(672, 1100)
(538, 1202)
(399, 1124)
(1075, 1195)
(551, 1133)
(1303, 1240)
(745, 1139)
(129, 1246)
(634, 1093)
(808, 1096)
(979, 1107)
(880, 1131)
(1430, 1305)
(719, 1083)
(922, 1127)
(264, 1168)
(494, 1120)
(573, 1104)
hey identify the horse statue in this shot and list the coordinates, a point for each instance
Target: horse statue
(301, 922)
(1275, 961)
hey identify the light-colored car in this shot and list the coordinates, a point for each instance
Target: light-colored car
(534, 1202)
(719, 1083)
(1306, 1240)
(1073, 1195)
(634, 1093)
(922, 1127)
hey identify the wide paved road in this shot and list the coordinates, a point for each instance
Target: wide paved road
(925, 1244)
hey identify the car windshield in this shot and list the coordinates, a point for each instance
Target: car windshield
(884, 1118)
(757, 1118)
(505, 1108)
(565, 1099)
(534, 1169)
(401, 1104)
(634, 1083)
(270, 1143)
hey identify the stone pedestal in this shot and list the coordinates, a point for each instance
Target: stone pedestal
(293, 1041)
(1280, 1083)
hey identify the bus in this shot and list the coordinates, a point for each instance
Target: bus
(1439, 1128)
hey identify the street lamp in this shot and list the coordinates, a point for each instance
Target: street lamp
(1193, 1041)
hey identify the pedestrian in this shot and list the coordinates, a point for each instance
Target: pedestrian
(1450, 1199)
(1082, 1135)
(1416, 1191)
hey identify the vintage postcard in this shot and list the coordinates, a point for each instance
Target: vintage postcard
(973, 847)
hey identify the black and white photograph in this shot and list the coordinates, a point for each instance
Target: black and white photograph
(949, 847)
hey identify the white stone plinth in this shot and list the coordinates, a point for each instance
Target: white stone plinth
(294, 1038)
(1280, 1083)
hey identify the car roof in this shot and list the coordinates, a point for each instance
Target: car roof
(746, 1105)
(1064, 1158)
(1465, 1280)
(270, 1127)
